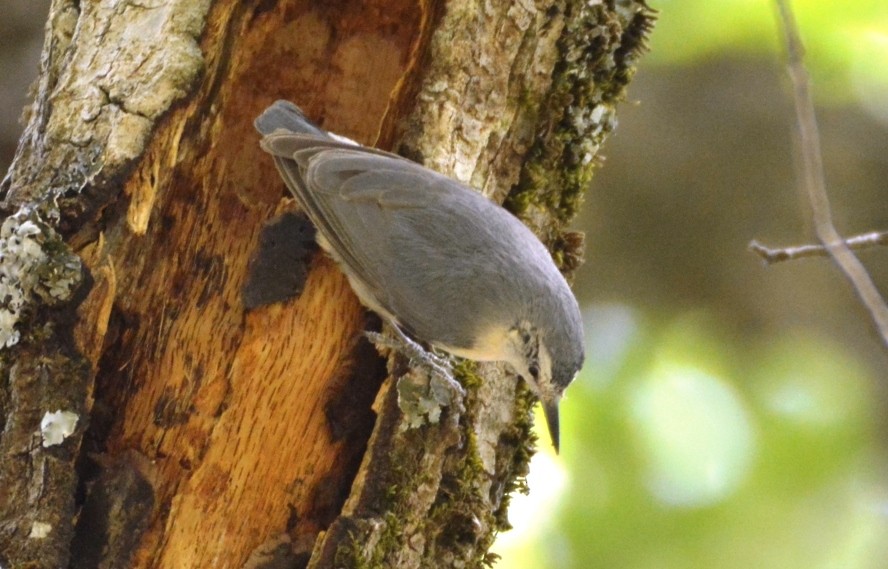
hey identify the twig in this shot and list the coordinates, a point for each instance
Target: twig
(813, 181)
(778, 254)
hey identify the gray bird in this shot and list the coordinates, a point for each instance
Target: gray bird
(432, 256)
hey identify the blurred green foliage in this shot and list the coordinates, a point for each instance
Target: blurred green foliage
(729, 416)
(687, 449)
(847, 44)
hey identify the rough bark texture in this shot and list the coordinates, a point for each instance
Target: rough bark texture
(208, 435)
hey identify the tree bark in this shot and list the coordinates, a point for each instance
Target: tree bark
(197, 433)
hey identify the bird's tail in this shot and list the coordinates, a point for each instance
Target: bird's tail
(284, 115)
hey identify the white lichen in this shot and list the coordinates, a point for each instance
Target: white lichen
(422, 396)
(40, 530)
(29, 268)
(57, 426)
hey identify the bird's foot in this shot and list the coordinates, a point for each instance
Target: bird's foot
(437, 365)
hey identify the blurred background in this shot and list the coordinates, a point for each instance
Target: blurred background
(731, 415)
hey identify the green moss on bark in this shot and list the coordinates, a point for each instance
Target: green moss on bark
(598, 50)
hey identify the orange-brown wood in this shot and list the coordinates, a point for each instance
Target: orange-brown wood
(230, 406)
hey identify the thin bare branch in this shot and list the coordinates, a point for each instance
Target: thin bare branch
(813, 180)
(778, 254)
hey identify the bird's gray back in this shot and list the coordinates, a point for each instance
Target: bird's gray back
(426, 244)
(417, 240)
(426, 248)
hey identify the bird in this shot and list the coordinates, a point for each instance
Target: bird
(436, 259)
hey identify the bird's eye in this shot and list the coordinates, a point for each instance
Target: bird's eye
(534, 370)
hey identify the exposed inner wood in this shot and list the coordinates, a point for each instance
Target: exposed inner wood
(199, 373)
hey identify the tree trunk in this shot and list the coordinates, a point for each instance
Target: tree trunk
(197, 433)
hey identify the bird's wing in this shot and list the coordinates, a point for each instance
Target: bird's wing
(365, 203)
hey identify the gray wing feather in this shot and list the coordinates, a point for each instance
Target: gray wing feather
(424, 248)
(386, 218)
(284, 115)
(419, 240)
(390, 184)
(285, 147)
(372, 208)
(367, 200)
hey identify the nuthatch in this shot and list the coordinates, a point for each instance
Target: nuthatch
(432, 256)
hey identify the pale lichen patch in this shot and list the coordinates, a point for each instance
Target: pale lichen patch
(40, 530)
(33, 263)
(57, 426)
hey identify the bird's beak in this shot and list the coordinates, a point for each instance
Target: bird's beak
(550, 408)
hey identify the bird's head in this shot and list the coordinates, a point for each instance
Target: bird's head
(548, 359)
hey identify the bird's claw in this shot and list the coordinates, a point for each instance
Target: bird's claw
(440, 366)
